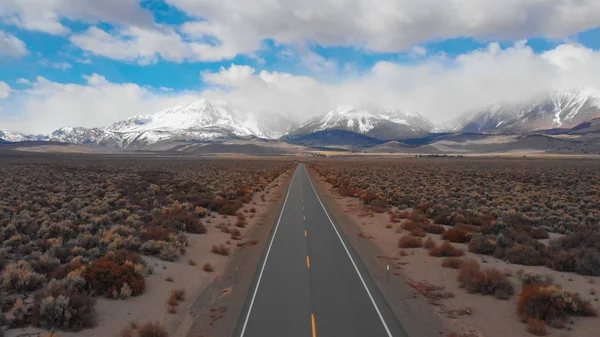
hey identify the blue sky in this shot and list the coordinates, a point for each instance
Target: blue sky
(167, 48)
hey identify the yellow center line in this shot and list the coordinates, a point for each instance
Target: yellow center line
(314, 326)
(305, 233)
(304, 217)
(308, 261)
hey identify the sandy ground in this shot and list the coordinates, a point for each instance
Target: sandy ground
(114, 315)
(465, 313)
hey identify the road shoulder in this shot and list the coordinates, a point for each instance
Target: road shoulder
(219, 308)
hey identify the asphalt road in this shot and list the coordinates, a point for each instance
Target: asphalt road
(310, 281)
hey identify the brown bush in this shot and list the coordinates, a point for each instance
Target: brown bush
(524, 255)
(179, 294)
(537, 327)
(191, 262)
(408, 241)
(486, 282)
(445, 249)
(104, 276)
(410, 225)
(428, 243)
(152, 330)
(418, 232)
(456, 235)
(483, 244)
(220, 249)
(434, 229)
(208, 267)
(59, 308)
(451, 262)
(551, 304)
(417, 215)
(235, 234)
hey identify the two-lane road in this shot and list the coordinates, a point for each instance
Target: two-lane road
(311, 282)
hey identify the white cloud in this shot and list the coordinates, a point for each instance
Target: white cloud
(56, 65)
(46, 15)
(145, 46)
(5, 90)
(439, 87)
(11, 45)
(384, 26)
(49, 105)
(23, 81)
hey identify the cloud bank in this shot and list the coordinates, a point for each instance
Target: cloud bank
(439, 87)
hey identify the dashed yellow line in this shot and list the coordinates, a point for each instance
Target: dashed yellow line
(314, 325)
(305, 233)
(304, 217)
(307, 261)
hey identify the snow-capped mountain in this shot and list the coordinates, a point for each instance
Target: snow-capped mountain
(199, 120)
(555, 110)
(13, 137)
(385, 124)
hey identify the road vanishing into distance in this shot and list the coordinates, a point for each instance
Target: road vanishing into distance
(310, 281)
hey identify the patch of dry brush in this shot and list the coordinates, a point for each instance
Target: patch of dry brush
(73, 228)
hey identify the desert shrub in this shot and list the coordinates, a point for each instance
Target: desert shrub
(152, 329)
(20, 277)
(529, 278)
(169, 252)
(220, 249)
(107, 277)
(537, 327)
(551, 304)
(428, 243)
(417, 215)
(456, 235)
(451, 262)
(444, 218)
(410, 225)
(483, 244)
(434, 229)
(241, 223)
(563, 261)
(178, 294)
(486, 282)
(524, 255)
(66, 312)
(418, 232)
(403, 214)
(538, 233)
(236, 234)
(589, 263)
(21, 314)
(408, 241)
(208, 267)
(445, 249)
(157, 233)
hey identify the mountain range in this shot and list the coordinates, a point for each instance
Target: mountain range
(357, 126)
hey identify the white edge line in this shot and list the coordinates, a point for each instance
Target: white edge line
(262, 269)
(350, 256)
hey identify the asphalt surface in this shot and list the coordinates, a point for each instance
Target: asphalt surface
(310, 281)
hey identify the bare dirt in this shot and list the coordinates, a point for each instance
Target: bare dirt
(463, 313)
